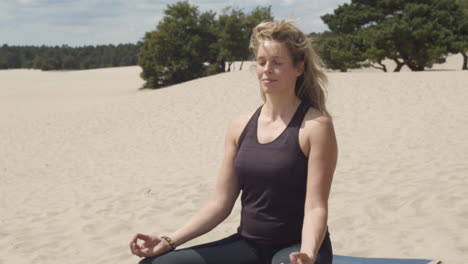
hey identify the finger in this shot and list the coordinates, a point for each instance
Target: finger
(139, 236)
(133, 247)
(142, 236)
(292, 258)
(144, 252)
(133, 242)
(137, 252)
(136, 249)
(134, 238)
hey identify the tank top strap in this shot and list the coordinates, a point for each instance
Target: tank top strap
(252, 123)
(299, 116)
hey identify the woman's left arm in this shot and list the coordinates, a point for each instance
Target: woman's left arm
(322, 160)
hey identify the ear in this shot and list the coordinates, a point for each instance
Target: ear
(300, 68)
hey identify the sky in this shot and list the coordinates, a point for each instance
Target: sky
(98, 22)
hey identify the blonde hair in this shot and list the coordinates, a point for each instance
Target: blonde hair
(310, 86)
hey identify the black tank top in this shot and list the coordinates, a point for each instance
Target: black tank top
(273, 179)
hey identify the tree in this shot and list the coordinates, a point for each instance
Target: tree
(337, 51)
(173, 52)
(209, 35)
(186, 44)
(234, 31)
(414, 33)
(459, 41)
(231, 42)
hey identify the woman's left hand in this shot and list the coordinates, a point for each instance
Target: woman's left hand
(300, 258)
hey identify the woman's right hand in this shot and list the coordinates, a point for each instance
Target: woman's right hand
(150, 246)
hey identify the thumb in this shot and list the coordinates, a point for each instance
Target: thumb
(293, 258)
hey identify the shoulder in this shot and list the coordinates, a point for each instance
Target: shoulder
(237, 125)
(314, 119)
(318, 127)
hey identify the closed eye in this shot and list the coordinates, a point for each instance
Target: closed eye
(262, 63)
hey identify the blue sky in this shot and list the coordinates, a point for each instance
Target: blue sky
(95, 22)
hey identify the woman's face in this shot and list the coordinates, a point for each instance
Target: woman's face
(275, 70)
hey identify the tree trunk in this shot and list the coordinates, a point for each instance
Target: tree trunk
(222, 66)
(383, 67)
(399, 65)
(242, 63)
(465, 61)
(229, 66)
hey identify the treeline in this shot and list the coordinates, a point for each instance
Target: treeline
(412, 33)
(187, 44)
(68, 58)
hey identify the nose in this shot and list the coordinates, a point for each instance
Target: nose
(267, 67)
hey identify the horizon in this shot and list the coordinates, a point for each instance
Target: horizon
(90, 23)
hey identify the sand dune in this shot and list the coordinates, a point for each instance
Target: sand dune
(87, 160)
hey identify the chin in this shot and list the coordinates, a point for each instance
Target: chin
(270, 89)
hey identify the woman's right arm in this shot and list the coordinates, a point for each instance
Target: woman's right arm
(220, 205)
(213, 212)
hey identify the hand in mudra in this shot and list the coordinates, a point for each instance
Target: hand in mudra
(148, 246)
(300, 258)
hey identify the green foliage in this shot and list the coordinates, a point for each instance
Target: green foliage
(415, 33)
(232, 42)
(234, 30)
(187, 44)
(67, 58)
(458, 43)
(336, 50)
(174, 52)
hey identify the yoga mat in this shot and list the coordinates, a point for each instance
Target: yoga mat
(337, 259)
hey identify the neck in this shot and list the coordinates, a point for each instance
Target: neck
(280, 106)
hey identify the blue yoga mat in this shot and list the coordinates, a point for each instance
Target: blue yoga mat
(337, 259)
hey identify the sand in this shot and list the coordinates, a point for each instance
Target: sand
(87, 160)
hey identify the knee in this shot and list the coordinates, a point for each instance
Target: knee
(145, 261)
(157, 260)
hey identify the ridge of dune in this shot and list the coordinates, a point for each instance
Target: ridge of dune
(87, 160)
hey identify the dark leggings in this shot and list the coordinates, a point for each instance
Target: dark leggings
(237, 250)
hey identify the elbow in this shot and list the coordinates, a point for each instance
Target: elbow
(319, 211)
(225, 211)
(221, 209)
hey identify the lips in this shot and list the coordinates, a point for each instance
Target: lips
(268, 80)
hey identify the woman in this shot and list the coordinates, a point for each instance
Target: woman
(282, 158)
